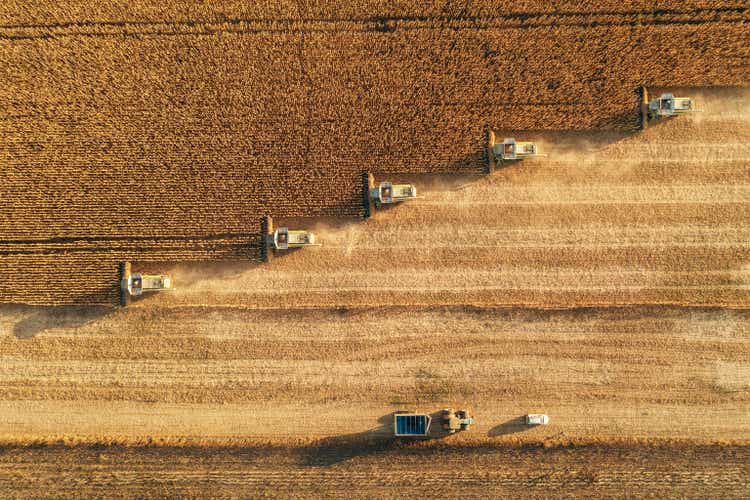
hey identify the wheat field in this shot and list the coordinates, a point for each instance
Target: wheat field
(146, 130)
(606, 284)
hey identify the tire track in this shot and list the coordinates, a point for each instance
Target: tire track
(527, 20)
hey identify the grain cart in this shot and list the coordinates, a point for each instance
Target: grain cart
(508, 150)
(411, 424)
(284, 238)
(388, 193)
(453, 421)
(668, 105)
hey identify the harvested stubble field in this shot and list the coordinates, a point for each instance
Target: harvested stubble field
(379, 471)
(209, 375)
(606, 285)
(264, 401)
(153, 120)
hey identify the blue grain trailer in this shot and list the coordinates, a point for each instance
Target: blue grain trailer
(411, 424)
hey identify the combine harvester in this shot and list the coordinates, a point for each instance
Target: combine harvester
(664, 106)
(413, 424)
(508, 150)
(283, 238)
(134, 284)
(386, 193)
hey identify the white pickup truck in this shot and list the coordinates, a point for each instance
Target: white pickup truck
(536, 419)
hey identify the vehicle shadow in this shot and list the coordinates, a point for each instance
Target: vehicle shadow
(512, 426)
(381, 439)
(33, 320)
(330, 451)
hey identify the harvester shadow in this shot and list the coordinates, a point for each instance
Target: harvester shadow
(664, 122)
(512, 426)
(474, 162)
(37, 319)
(383, 209)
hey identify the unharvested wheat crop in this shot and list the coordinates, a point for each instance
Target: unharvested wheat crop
(137, 128)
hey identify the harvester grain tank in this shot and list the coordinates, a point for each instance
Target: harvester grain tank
(668, 105)
(387, 193)
(282, 238)
(138, 283)
(135, 284)
(453, 421)
(285, 238)
(508, 150)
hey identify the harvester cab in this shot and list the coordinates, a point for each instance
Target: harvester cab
(284, 238)
(668, 105)
(453, 421)
(138, 283)
(387, 193)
